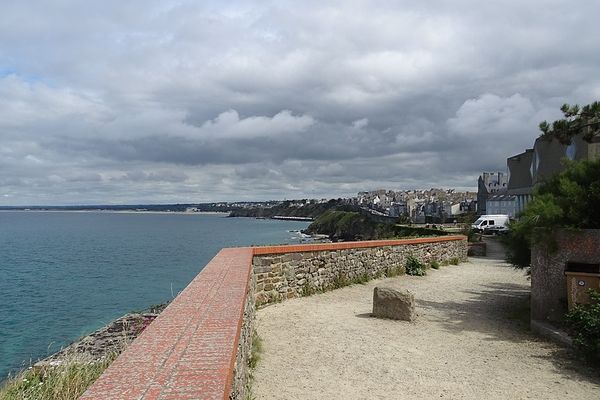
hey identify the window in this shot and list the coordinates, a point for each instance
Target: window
(490, 222)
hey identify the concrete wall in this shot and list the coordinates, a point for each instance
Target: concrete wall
(295, 274)
(548, 282)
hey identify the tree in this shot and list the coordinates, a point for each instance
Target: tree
(578, 120)
(569, 199)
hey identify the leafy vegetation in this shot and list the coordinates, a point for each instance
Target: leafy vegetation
(395, 271)
(434, 264)
(584, 121)
(471, 234)
(67, 381)
(349, 225)
(253, 359)
(414, 267)
(288, 209)
(568, 200)
(255, 350)
(584, 320)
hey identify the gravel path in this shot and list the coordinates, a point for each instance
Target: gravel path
(470, 341)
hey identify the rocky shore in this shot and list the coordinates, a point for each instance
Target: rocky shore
(111, 338)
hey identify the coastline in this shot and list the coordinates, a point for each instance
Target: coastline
(224, 213)
(109, 339)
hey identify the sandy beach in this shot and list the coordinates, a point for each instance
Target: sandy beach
(471, 340)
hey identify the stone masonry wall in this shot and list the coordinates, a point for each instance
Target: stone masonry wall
(241, 372)
(295, 274)
(548, 282)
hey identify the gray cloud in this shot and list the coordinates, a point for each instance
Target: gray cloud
(187, 101)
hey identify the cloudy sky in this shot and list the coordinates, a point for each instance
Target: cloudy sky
(189, 101)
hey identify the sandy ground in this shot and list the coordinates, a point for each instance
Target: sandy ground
(470, 341)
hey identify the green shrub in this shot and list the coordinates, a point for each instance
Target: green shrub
(454, 261)
(434, 264)
(584, 320)
(566, 200)
(414, 266)
(471, 234)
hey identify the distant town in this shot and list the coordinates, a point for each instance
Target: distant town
(498, 192)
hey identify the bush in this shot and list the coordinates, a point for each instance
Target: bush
(471, 234)
(567, 200)
(518, 246)
(435, 264)
(67, 381)
(414, 266)
(584, 320)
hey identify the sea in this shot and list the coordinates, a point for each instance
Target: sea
(65, 274)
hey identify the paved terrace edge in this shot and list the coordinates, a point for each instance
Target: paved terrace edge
(189, 351)
(303, 248)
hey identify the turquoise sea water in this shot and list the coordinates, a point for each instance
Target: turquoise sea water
(65, 274)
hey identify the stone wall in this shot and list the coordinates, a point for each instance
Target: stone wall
(477, 249)
(548, 282)
(241, 373)
(299, 273)
(199, 346)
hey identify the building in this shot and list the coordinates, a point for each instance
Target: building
(545, 159)
(489, 183)
(397, 209)
(501, 204)
(520, 182)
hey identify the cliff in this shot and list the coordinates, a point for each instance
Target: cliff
(349, 226)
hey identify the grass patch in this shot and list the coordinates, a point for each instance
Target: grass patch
(414, 267)
(253, 359)
(434, 264)
(394, 271)
(454, 261)
(308, 290)
(362, 278)
(255, 350)
(339, 280)
(67, 381)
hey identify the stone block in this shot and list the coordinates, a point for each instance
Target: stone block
(393, 304)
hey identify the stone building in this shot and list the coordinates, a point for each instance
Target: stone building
(489, 183)
(504, 204)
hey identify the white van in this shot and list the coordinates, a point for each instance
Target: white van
(497, 223)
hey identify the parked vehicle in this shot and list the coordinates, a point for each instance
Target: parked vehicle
(497, 223)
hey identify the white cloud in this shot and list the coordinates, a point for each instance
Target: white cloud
(360, 123)
(490, 116)
(186, 100)
(228, 124)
